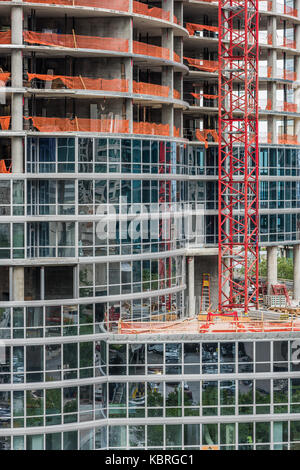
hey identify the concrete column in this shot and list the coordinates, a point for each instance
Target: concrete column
(271, 267)
(17, 124)
(17, 82)
(296, 254)
(191, 274)
(18, 283)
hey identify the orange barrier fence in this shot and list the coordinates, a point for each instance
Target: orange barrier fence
(201, 64)
(290, 11)
(289, 107)
(270, 71)
(289, 75)
(192, 27)
(121, 5)
(176, 57)
(143, 9)
(3, 168)
(150, 89)
(270, 39)
(4, 76)
(79, 83)
(47, 124)
(288, 139)
(176, 131)
(5, 37)
(194, 325)
(4, 122)
(288, 43)
(151, 128)
(208, 97)
(203, 135)
(76, 41)
(149, 49)
(176, 95)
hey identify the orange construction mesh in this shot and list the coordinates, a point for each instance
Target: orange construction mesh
(290, 107)
(176, 131)
(290, 11)
(5, 37)
(269, 105)
(270, 71)
(205, 65)
(208, 97)
(202, 135)
(47, 124)
(149, 49)
(270, 39)
(150, 89)
(4, 122)
(289, 75)
(176, 95)
(4, 76)
(175, 19)
(243, 325)
(151, 128)
(74, 41)
(288, 139)
(289, 43)
(143, 9)
(121, 5)
(192, 27)
(79, 83)
(176, 57)
(3, 168)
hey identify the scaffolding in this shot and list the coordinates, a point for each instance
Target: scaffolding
(238, 171)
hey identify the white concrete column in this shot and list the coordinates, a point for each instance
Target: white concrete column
(17, 123)
(17, 82)
(296, 255)
(271, 267)
(18, 283)
(191, 274)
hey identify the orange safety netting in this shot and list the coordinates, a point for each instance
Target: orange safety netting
(5, 37)
(270, 39)
(208, 97)
(269, 105)
(205, 65)
(192, 27)
(176, 131)
(47, 124)
(79, 83)
(176, 94)
(4, 76)
(176, 57)
(175, 19)
(288, 139)
(150, 89)
(3, 168)
(202, 135)
(122, 5)
(4, 122)
(151, 128)
(289, 75)
(76, 41)
(194, 325)
(149, 49)
(288, 43)
(290, 11)
(143, 9)
(270, 71)
(290, 107)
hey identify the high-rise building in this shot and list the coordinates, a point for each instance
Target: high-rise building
(109, 225)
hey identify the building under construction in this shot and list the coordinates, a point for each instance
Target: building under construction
(149, 158)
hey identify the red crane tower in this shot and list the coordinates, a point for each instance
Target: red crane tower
(238, 154)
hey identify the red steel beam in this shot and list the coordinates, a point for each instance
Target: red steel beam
(238, 154)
